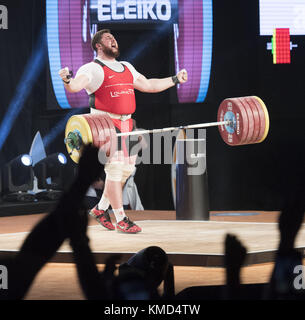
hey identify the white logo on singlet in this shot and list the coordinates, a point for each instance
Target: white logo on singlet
(110, 77)
(116, 94)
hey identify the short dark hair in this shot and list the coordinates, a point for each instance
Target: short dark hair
(97, 38)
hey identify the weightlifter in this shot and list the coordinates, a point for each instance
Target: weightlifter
(110, 85)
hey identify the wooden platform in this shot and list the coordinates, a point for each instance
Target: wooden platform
(187, 243)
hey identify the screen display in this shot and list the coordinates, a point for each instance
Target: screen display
(72, 23)
(123, 11)
(282, 14)
(280, 20)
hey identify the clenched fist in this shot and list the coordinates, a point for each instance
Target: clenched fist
(182, 76)
(65, 74)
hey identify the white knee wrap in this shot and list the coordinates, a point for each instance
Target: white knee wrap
(114, 170)
(127, 171)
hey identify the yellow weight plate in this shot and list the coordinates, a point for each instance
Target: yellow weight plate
(78, 122)
(267, 122)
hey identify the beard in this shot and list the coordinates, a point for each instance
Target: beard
(111, 52)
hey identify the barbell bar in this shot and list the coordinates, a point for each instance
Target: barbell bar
(191, 126)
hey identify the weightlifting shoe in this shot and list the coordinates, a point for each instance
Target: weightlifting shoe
(102, 217)
(127, 226)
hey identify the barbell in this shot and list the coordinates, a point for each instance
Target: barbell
(241, 121)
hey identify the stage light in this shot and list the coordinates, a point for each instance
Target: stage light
(26, 160)
(62, 158)
(18, 179)
(49, 174)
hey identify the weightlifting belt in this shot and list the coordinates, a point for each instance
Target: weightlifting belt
(121, 117)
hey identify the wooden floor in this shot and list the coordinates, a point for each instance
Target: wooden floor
(187, 243)
(25, 223)
(255, 229)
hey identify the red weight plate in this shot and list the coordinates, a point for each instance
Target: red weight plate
(107, 139)
(113, 136)
(256, 117)
(94, 127)
(267, 120)
(251, 124)
(94, 130)
(239, 134)
(261, 117)
(104, 134)
(233, 137)
(101, 131)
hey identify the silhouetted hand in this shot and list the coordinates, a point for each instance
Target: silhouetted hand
(77, 229)
(74, 216)
(287, 258)
(110, 265)
(108, 278)
(169, 283)
(89, 166)
(290, 221)
(235, 253)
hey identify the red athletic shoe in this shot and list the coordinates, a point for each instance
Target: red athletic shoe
(102, 217)
(127, 226)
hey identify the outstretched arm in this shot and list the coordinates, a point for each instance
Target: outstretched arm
(42, 242)
(157, 85)
(235, 254)
(281, 284)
